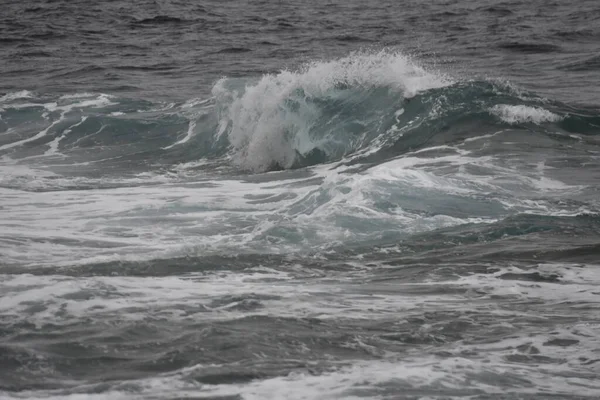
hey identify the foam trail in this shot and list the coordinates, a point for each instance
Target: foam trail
(39, 135)
(186, 138)
(53, 149)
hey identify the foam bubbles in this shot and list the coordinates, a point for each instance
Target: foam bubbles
(523, 114)
(16, 95)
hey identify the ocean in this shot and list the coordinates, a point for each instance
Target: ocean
(245, 200)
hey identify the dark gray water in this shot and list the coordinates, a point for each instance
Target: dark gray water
(310, 200)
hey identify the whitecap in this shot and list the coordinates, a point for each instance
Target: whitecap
(523, 114)
(269, 121)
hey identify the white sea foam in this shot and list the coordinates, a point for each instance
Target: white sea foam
(475, 365)
(523, 114)
(156, 216)
(452, 377)
(22, 94)
(102, 297)
(313, 213)
(82, 95)
(188, 135)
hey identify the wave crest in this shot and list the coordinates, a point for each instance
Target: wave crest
(271, 122)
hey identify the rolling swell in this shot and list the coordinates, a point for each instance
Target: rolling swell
(362, 108)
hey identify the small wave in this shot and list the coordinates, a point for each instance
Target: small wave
(352, 38)
(80, 71)
(589, 64)
(83, 95)
(13, 40)
(523, 114)
(47, 34)
(33, 9)
(35, 54)
(22, 94)
(160, 19)
(576, 34)
(503, 11)
(234, 50)
(530, 47)
(152, 67)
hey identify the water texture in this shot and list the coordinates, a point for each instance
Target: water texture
(299, 200)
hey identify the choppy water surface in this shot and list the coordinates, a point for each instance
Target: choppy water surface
(256, 200)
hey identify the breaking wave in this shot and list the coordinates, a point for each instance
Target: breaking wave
(366, 107)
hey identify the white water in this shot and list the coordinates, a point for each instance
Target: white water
(522, 114)
(153, 216)
(474, 365)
